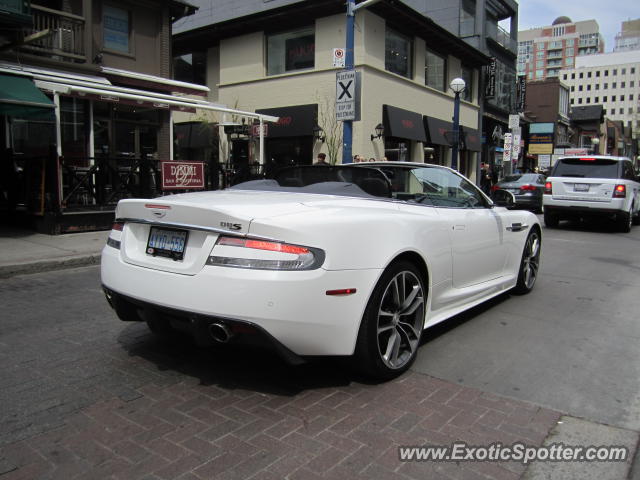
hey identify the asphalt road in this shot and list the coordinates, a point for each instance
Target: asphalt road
(570, 345)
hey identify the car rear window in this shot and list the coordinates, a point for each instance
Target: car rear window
(593, 168)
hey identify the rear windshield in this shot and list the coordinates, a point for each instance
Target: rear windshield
(526, 177)
(596, 168)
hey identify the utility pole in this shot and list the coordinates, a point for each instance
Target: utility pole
(347, 126)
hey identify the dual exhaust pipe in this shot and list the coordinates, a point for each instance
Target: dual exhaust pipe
(220, 332)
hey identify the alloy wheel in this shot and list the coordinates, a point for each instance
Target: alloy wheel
(400, 319)
(531, 260)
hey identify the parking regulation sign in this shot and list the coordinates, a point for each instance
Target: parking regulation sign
(346, 95)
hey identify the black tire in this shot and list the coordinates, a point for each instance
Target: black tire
(388, 339)
(636, 218)
(529, 263)
(551, 220)
(624, 221)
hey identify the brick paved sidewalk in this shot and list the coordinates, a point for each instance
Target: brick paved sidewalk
(193, 431)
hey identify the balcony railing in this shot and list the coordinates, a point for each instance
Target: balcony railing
(63, 34)
(501, 37)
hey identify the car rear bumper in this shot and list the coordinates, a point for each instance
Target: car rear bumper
(615, 206)
(292, 308)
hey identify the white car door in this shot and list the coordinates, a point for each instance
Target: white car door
(476, 230)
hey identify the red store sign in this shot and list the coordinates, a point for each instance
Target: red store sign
(182, 175)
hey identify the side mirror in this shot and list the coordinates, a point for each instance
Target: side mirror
(502, 198)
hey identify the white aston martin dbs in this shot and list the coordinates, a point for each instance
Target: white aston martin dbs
(347, 260)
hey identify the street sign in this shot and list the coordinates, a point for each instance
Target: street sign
(338, 57)
(515, 149)
(345, 95)
(514, 121)
(506, 155)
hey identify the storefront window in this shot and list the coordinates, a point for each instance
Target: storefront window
(397, 53)
(74, 125)
(397, 149)
(435, 71)
(191, 67)
(115, 29)
(291, 51)
(467, 76)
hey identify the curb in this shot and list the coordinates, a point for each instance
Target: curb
(7, 271)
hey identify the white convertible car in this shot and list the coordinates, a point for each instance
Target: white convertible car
(347, 260)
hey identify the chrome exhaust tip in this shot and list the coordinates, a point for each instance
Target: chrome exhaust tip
(220, 332)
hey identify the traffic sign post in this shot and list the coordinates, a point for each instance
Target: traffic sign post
(345, 95)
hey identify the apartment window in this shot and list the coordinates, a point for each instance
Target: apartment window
(597, 86)
(631, 97)
(605, 86)
(569, 51)
(597, 73)
(540, 54)
(579, 88)
(624, 71)
(588, 99)
(588, 87)
(615, 72)
(573, 89)
(581, 75)
(588, 74)
(579, 101)
(614, 85)
(621, 111)
(630, 111)
(398, 54)
(573, 76)
(622, 98)
(568, 60)
(435, 71)
(596, 100)
(606, 73)
(604, 111)
(632, 84)
(291, 51)
(572, 101)
(613, 98)
(539, 73)
(191, 68)
(564, 77)
(623, 84)
(633, 70)
(116, 27)
(540, 64)
(604, 99)
(467, 75)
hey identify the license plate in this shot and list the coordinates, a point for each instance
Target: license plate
(165, 242)
(581, 187)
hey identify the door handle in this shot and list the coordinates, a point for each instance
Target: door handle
(517, 227)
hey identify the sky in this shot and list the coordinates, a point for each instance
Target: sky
(608, 13)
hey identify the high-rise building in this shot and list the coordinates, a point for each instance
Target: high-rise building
(544, 51)
(629, 36)
(611, 80)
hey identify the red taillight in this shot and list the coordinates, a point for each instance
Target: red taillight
(548, 187)
(620, 191)
(587, 159)
(117, 226)
(262, 245)
(342, 291)
(494, 188)
(528, 188)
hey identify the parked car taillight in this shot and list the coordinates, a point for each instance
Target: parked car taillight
(528, 188)
(494, 188)
(117, 226)
(620, 191)
(548, 187)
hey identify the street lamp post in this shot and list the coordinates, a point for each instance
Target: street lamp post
(595, 141)
(457, 85)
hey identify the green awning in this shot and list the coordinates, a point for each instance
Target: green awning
(19, 97)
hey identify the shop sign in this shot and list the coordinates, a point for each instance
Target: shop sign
(540, 148)
(576, 151)
(182, 175)
(490, 85)
(255, 130)
(544, 161)
(521, 93)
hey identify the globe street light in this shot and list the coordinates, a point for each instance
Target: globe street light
(458, 86)
(595, 141)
